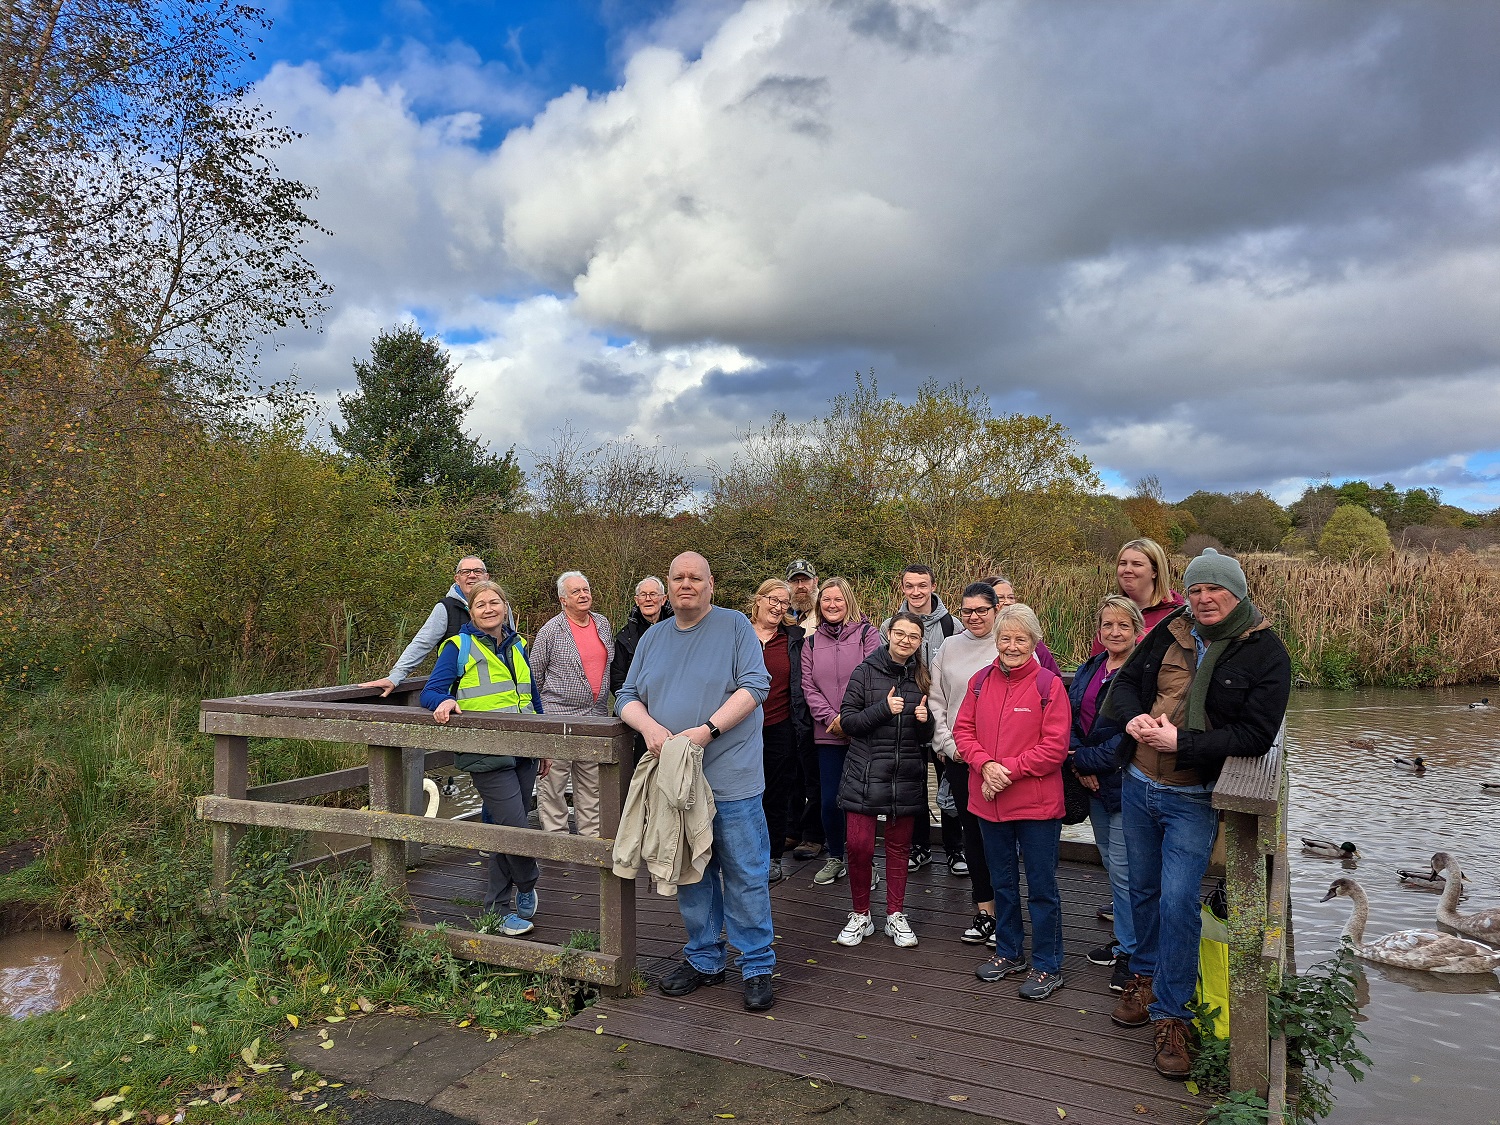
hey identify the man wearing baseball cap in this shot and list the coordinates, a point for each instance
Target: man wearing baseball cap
(802, 576)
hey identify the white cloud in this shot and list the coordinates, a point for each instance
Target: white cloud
(1230, 245)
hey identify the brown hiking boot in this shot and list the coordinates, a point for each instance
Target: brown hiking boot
(1131, 1011)
(1174, 1057)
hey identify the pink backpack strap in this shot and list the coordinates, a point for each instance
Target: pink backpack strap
(1045, 678)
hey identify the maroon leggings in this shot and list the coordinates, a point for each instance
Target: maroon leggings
(860, 847)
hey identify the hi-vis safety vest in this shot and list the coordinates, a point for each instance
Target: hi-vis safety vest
(486, 683)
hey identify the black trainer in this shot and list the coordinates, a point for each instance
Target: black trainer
(1119, 980)
(759, 995)
(685, 978)
(980, 931)
(920, 858)
(1103, 955)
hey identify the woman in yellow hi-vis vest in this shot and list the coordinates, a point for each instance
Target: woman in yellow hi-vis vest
(484, 668)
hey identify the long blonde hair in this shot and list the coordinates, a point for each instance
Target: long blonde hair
(1162, 586)
(853, 615)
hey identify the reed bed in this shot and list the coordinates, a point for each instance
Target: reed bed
(1409, 620)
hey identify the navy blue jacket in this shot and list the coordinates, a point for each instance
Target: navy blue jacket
(1093, 751)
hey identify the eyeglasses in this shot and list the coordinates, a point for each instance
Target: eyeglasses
(648, 595)
(980, 612)
(578, 593)
(782, 603)
(1006, 599)
(472, 572)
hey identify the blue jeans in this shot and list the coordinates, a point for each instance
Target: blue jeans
(1038, 841)
(1169, 836)
(830, 773)
(1109, 834)
(734, 891)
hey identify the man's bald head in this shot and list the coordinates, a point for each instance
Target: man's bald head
(690, 588)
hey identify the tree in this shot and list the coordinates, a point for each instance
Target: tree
(138, 199)
(408, 415)
(1352, 534)
(1243, 521)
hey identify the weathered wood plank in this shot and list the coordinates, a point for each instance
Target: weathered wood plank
(1245, 865)
(616, 896)
(396, 826)
(1273, 952)
(231, 779)
(387, 795)
(336, 781)
(514, 953)
(407, 726)
(1252, 785)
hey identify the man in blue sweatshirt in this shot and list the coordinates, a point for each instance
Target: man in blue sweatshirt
(701, 674)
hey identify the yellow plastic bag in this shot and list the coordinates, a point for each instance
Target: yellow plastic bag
(1213, 971)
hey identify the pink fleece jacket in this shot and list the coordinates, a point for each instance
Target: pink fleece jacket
(1003, 720)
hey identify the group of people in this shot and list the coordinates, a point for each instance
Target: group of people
(813, 728)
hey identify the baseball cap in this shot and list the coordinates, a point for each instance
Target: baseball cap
(801, 566)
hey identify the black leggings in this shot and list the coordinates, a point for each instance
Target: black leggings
(957, 773)
(779, 743)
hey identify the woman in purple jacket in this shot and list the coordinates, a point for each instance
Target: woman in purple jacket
(840, 643)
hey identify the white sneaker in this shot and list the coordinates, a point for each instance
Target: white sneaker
(899, 930)
(859, 928)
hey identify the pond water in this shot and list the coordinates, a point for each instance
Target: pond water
(42, 970)
(1434, 1038)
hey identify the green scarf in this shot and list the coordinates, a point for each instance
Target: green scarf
(1243, 616)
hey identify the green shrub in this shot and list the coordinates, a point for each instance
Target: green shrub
(1353, 534)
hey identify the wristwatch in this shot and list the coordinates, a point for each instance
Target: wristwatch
(713, 731)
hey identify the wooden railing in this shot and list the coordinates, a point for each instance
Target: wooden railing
(401, 740)
(1252, 794)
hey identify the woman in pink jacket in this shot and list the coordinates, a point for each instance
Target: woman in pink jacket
(840, 643)
(1012, 730)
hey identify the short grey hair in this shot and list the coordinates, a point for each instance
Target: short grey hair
(460, 564)
(565, 575)
(1022, 615)
(660, 585)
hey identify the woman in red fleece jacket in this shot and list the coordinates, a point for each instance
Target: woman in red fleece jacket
(1012, 730)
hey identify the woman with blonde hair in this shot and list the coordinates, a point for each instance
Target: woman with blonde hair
(1092, 749)
(785, 721)
(841, 642)
(1143, 574)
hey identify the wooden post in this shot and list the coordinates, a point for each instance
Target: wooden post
(412, 763)
(1249, 1043)
(388, 794)
(231, 779)
(616, 895)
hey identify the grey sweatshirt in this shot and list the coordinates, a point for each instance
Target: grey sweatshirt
(961, 656)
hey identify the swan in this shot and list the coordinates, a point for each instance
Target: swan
(1426, 950)
(1410, 765)
(1482, 705)
(430, 788)
(1315, 845)
(1483, 924)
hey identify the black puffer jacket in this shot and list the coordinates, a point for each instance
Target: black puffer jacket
(884, 770)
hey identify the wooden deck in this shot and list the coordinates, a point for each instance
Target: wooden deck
(914, 1023)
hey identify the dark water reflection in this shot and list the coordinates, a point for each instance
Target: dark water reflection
(1434, 1038)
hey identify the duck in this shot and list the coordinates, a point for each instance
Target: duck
(1424, 950)
(1489, 785)
(1427, 880)
(1410, 765)
(1362, 743)
(1327, 849)
(450, 786)
(1482, 924)
(1482, 705)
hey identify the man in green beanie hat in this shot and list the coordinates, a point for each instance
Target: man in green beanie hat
(1209, 682)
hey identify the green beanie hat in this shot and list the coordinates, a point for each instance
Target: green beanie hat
(1217, 570)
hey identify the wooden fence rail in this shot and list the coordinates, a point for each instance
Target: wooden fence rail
(1252, 795)
(400, 741)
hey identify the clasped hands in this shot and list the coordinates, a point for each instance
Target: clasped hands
(656, 736)
(1156, 732)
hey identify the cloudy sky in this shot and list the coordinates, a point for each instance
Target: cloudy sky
(1232, 245)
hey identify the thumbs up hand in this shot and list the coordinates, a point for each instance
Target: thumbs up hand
(894, 702)
(921, 710)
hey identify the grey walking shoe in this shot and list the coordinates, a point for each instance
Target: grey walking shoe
(831, 872)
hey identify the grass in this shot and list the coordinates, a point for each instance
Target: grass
(106, 776)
